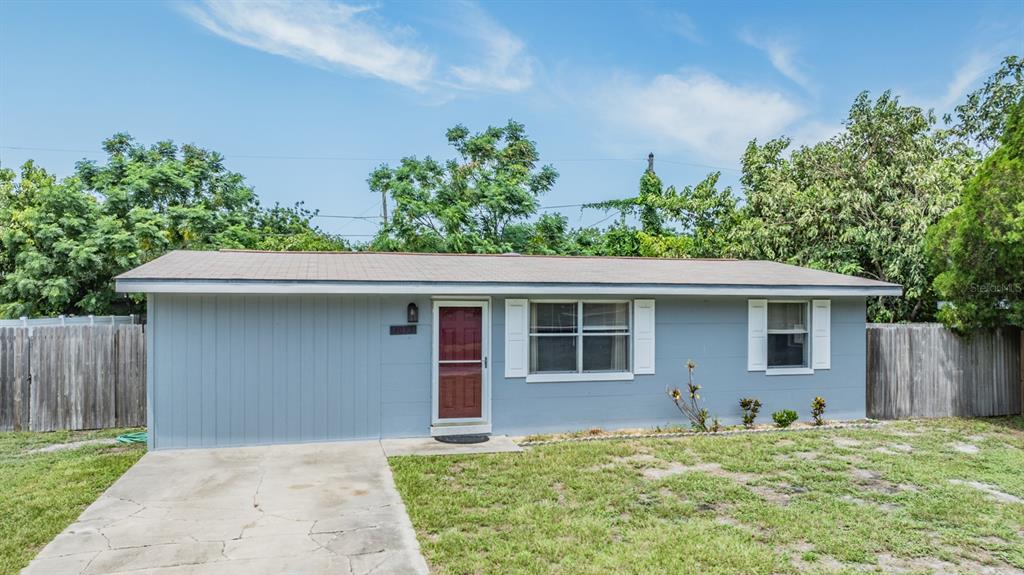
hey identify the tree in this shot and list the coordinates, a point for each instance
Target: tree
(692, 222)
(62, 242)
(701, 217)
(466, 204)
(859, 203)
(978, 248)
(982, 117)
(59, 249)
(202, 204)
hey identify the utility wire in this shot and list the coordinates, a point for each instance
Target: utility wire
(372, 159)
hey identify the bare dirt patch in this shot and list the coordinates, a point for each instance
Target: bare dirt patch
(892, 564)
(641, 458)
(895, 449)
(967, 448)
(846, 442)
(991, 490)
(73, 445)
(656, 473)
(802, 549)
(715, 469)
(873, 480)
(906, 432)
(799, 455)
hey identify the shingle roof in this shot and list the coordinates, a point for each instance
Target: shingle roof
(370, 267)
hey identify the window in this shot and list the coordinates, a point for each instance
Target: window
(578, 337)
(787, 335)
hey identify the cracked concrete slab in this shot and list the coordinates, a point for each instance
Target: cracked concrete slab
(314, 508)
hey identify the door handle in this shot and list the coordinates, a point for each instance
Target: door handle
(485, 362)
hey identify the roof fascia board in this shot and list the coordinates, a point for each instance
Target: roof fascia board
(313, 287)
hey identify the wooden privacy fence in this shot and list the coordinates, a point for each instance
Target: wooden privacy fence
(925, 370)
(72, 377)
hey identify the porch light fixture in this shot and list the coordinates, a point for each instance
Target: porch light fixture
(412, 313)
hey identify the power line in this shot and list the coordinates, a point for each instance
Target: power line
(602, 220)
(346, 217)
(350, 217)
(373, 159)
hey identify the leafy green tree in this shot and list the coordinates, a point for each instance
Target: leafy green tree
(471, 203)
(62, 242)
(978, 248)
(982, 117)
(859, 203)
(203, 205)
(59, 249)
(701, 218)
(691, 222)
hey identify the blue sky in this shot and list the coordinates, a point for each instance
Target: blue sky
(305, 99)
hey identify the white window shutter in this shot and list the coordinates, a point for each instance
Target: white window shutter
(821, 326)
(757, 335)
(643, 336)
(517, 314)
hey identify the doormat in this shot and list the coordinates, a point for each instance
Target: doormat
(463, 439)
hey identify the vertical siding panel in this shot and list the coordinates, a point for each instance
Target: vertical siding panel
(237, 361)
(307, 357)
(221, 383)
(193, 430)
(177, 363)
(265, 375)
(251, 381)
(361, 382)
(335, 365)
(209, 406)
(293, 384)
(349, 383)
(321, 355)
(372, 362)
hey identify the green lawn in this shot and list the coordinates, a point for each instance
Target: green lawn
(848, 501)
(42, 493)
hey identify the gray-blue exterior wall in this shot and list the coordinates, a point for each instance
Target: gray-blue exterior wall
(257, 369)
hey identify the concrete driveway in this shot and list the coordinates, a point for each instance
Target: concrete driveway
(313, 508)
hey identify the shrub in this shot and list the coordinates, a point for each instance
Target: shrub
(784, 417)
(690, 406)
(818, 409)
(750, 406)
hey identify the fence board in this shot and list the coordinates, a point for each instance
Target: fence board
(925, 370)
(14, 380)
(130, 376)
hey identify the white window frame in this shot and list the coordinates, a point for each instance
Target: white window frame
(808, 340)
(580, 333)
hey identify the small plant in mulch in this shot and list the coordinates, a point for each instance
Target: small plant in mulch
(750, 406)
(784, 417)
(688, 402)
(817, 410)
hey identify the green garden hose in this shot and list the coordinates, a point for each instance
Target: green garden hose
(135, 437)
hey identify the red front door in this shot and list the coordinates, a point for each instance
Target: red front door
(460, 362)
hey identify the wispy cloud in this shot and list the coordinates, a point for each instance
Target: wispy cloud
(697, 112)
(781, 55)
(318, 32)
(505, 64)
(963, 79)
(684, 26)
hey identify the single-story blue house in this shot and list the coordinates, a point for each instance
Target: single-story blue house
(258, 347)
